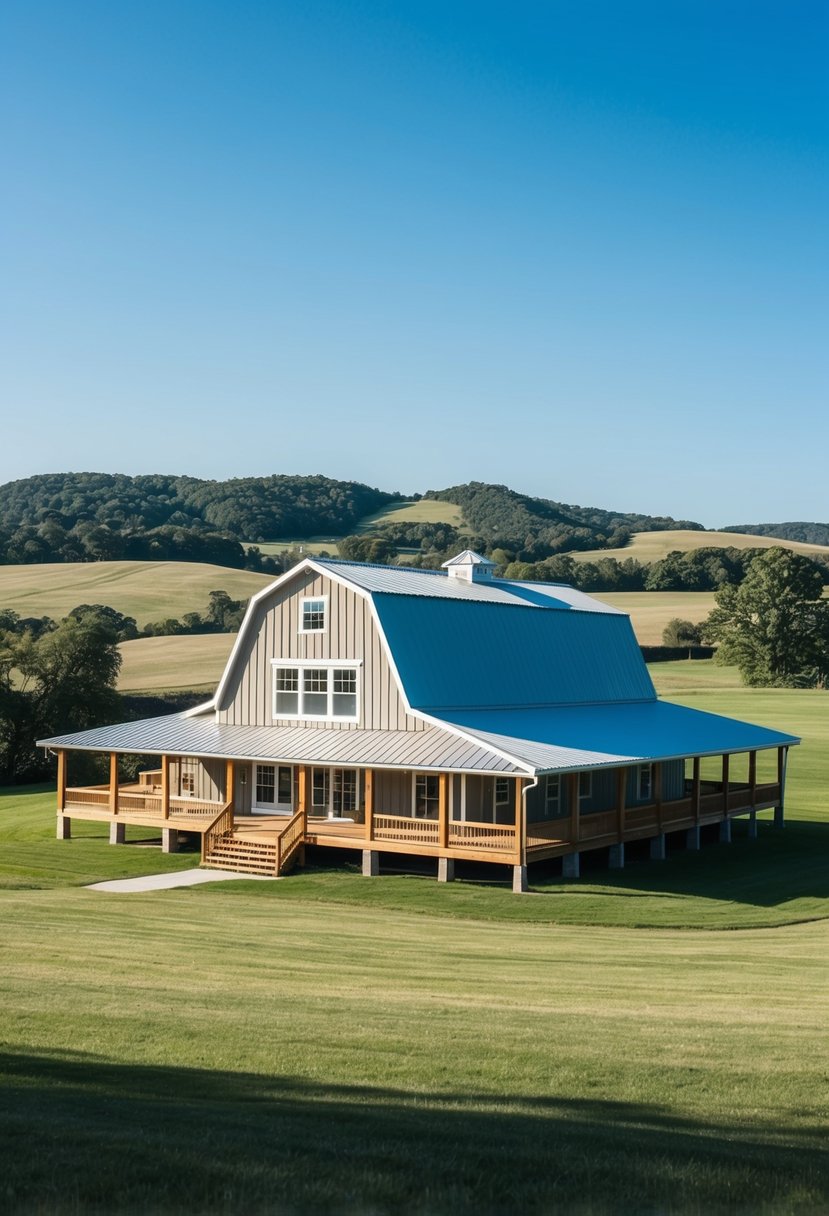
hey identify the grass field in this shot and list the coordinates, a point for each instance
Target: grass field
(424, 511)
(644, 1041)
(650, 611)
(652, 546)
(148, 591)
(168, 664)
(310, 548)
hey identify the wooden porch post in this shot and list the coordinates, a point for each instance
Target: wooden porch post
(165, 787)
(621, 792)
(369, 787)
(725, 765)
(230, 782)
(61, 781)
(520, 824)
(752, 777)
(657, 794)
(573, 796)
(443, 810)
(113, 783)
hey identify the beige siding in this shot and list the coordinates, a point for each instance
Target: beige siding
(351, 634)
(392, 793)
(208, 775)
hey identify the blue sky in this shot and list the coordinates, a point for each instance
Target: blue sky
(579, 248)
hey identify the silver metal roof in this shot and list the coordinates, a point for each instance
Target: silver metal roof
(177, 734)
(399, 580)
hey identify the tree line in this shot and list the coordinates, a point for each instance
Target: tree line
(101, 516)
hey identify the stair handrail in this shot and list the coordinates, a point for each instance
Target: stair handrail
(295, 831)
(220, 825)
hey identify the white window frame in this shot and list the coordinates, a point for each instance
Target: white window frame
(552, 804)
(586, 794)
(188, 775)
(327, 665)
(276, 807)
(417, 776)
(640, 773)
(496, 801)
(313, 599)
(326, 809)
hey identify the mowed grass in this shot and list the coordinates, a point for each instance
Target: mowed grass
(174, 664)
(148, 591)
(310, 548)
(327, 1043)
(653, 546)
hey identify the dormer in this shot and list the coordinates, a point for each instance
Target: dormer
(470, 567)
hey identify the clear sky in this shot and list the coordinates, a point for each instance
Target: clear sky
(576, 247)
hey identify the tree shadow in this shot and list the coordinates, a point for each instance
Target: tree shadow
(86, 1134)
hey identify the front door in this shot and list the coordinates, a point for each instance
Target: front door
(334, 792)
(273, 789)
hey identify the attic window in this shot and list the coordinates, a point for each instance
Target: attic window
(313, 613)
(316, 692)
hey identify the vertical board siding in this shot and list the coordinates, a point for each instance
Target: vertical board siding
(351, 634)
(392, 793)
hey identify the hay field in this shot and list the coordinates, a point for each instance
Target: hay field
(148, 591)
(653, 546)
(174, 664)
(650, 611)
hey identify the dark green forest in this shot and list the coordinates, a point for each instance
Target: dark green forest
(111, 516)
(810, 534)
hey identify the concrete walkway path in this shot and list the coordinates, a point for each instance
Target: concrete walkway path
(166, 882)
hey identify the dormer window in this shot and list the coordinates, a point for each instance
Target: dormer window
(315, 691)
(312, 615)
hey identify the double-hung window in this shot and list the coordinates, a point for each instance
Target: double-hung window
(316, 691)
(585, 787)
(644, 790)
(312, 614)
(552, 795)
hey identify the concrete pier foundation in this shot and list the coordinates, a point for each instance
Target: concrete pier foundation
(658, 849)
(371, 863)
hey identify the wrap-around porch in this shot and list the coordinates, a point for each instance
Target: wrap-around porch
(260, 817)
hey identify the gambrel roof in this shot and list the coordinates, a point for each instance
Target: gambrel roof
(511, 677)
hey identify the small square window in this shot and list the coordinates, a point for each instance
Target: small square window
(313, 616)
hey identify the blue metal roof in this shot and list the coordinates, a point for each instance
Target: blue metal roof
(591, 736)
(452, 653)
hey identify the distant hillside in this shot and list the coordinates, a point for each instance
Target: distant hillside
(810, 534)
(106, 516)
(538, 527)
(648, 547)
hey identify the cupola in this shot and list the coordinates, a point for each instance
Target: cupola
(470, 567)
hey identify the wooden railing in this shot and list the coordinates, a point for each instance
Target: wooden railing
(290, 839)
(221, 826)
(481, 835)
(403, 828)
(88, 795)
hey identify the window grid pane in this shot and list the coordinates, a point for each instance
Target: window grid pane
(313, 616)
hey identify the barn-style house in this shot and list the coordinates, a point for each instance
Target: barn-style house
(443, 713)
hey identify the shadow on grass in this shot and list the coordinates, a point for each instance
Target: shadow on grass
(777, 868)
(83, 1134)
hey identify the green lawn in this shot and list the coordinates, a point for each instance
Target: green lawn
(183, 662)
(651, 1041)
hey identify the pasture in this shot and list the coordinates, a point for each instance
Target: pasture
(653, 546)
(174, 664)
(424, 511)
(650, 611)
(650, 1040)
(148, 591)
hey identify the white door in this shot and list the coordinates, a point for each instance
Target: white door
(273, 789)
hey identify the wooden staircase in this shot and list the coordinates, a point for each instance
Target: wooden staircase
(226, 846)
